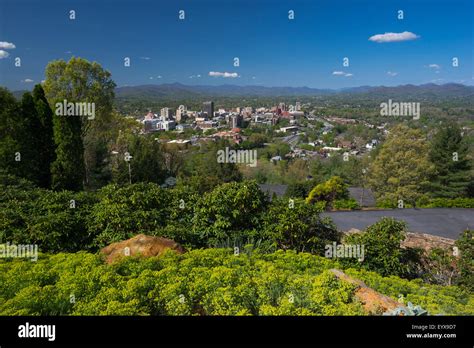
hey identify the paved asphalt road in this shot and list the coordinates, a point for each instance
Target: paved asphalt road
(443, 222)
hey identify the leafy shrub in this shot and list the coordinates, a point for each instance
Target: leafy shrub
(466, 264)
(342, 204)
(328, 191)
(459, 202)
(297, 225)
(425, 202)
(123, 212)
(382, 251)
(436, 299)
(231, 213)
(203, 282)
(56, 221)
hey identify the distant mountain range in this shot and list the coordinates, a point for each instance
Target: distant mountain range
(180, 91)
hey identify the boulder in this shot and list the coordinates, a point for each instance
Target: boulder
(140, 245)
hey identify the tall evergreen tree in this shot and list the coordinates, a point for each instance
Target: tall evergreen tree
(28, 140)
(449, 154)
(27, 136)
(67, 171)
(45, 136)
(9, 146)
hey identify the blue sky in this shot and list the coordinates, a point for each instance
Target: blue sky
(273, 50)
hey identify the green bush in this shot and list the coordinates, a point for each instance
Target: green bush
(123, 212)
(56, 221)
(466, 259)
(342, 204)
(297, 225)
(459, 202)
(382, 251)
(230, 214)
(425, 202)
(328, 191)
(203, 282)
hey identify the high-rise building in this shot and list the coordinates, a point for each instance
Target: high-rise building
(236, 121)
(181, 114)
(208, 108)
(298, 106)
(166, 113)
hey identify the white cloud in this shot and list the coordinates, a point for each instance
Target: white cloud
(159, 77)
(27, 80)
(434, 66)
(151, 77)
(4, 54)
(342, 73)
(223, 74)
(7, 45)
(199, 76)
(145, 58)
(393, 37)
(391, 73)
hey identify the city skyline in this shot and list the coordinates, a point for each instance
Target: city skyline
(272, 49)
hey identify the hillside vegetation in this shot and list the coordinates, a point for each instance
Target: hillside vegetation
(204, 282)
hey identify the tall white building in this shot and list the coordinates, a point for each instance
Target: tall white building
(167, 113)
(181, 113)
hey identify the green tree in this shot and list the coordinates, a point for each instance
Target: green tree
(67, 171)
(328, 191)
(29, 124)
(297, 225)
(202, 171)
(449, 154)
(79, 140)
(146, 160)
(9, 124)
(401, 169)
(26, 145)
(231, 213)
(46, 146)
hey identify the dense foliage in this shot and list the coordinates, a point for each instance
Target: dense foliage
(203, 282)
(452, 167)
(401, 170)
(232, 214)
(383, 253)
(328, 191)
(79, 140)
